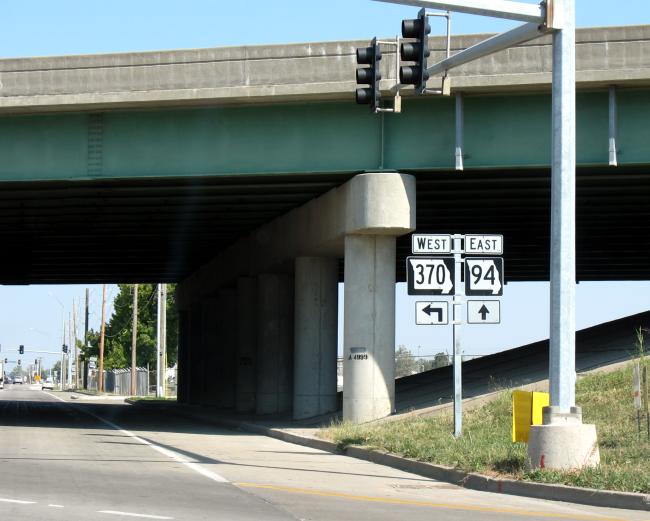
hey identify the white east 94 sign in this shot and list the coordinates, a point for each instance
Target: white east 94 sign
(430, 275)
(484, 276)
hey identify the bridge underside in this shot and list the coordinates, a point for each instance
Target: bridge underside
(151, 230)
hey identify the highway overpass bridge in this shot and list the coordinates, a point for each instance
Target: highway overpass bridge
(249, 176)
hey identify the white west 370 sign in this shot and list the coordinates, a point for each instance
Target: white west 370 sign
(430, 275)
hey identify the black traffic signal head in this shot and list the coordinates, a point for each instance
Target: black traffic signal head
(21, 350)
(369, 75)
(65, 348)
(6, 360)
(18, 361)
(416, 52)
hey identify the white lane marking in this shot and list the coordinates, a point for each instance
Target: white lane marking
(167, 452)
(20, 502)
(131, 514)
(55, 506)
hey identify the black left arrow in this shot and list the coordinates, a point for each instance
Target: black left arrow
(428, 310)
(484, 312)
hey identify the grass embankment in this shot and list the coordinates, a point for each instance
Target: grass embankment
(485, 446)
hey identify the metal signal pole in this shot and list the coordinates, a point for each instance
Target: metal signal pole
(86, 339)
(134, 336)
(100, 379)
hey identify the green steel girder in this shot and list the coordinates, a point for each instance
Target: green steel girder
(501, 131)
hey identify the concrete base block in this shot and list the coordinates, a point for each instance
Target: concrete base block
(563, 442)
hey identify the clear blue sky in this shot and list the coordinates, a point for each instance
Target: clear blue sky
(33, 315)
(46, 27)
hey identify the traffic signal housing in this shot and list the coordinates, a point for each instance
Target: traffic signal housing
(21, 350)
(416, 51)
(65, 348)
(18, 361)
(371, 76)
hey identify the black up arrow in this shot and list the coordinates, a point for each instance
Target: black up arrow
(428, 310)
(484, 312)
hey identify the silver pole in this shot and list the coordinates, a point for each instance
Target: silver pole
(613, 125)
(563, 275)
(521, 34)
(497, 8)
(158, 349)
(459, 131)
(457, 307)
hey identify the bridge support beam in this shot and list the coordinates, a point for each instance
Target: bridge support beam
(225, 372)
(360, 221)
(315, 329)
(369, 328)
(274, 344)
(247, 316)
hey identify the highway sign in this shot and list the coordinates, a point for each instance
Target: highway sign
(483, 312)
(484, 276)
(431, 313)
(483, 244)
(430, 244)
(430, 275)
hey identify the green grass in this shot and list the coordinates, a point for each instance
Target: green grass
(485, 446)
(151, 399)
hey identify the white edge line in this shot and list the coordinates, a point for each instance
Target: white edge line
(131, 514)
(55, 506)
(167, 452)
(19, 501)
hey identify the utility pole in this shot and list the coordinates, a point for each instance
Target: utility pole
(86, 340)
(70, 355)
(61, 369)
(158, 346)
(100, 378)
(163, 337)
(76, 351)
(134, 336)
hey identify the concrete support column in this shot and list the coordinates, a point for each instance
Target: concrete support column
(209, 349)
(182, 376)
(369, 328)
(275, 344)
(195, 355)
(315, 329)
(226, 370)
(247, 317)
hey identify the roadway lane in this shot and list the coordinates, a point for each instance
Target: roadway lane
(100, 461)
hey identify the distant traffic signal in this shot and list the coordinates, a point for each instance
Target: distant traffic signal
(18, 361)
(21, 350)
(416, 51)
(369, 75)
(65, 348)
(6, 360)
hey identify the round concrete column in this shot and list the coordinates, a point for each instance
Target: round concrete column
(274, 390)
(315, 327)
(369, 328)
(246, 343)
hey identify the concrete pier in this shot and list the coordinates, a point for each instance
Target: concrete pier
(315, 327)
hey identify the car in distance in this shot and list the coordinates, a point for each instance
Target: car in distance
(48, 383)
(18, 380)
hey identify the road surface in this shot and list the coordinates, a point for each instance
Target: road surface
(69, 460)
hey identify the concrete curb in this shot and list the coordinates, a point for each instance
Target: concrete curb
(469, 480)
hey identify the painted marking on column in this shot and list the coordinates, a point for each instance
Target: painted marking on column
(167, 452)
(132, 514)
(17, 501)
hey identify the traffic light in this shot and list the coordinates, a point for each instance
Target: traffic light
(19, 361)
(21, 350)
(369, 75)
(36, 362)
(416, 51)
(6, 360)
(65, 348)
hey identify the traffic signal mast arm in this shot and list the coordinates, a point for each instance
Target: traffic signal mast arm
(521, 34)
(496, 8)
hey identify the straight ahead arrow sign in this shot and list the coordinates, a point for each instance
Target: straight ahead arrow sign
(484, 312)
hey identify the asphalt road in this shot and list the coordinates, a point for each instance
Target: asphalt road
(62, 459)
